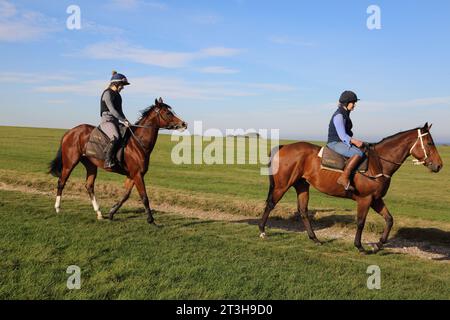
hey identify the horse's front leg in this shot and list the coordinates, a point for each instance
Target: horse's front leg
(140, 186)
(129, 184)
(380, 207)
(363, 209)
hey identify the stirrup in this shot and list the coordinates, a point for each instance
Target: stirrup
(109, 164)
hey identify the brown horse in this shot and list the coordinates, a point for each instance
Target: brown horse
(136, 156)
(298, 165)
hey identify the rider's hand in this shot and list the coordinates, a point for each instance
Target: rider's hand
(126, 123)
(357, 142)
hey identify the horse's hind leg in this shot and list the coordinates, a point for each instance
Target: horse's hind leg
(379, 206)
(65, 173)
(129, 184)
(302, 188)
(274, 196)
(91, 174)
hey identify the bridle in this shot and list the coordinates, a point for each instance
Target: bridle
(416, 161)
(420, 136)
(158, 126)
(139, 141)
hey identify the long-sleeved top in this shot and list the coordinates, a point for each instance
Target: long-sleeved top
(338, 121)
(111, 106)
(345, 125)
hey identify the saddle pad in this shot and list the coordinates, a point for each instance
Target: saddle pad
(97, 144)
(334, 161)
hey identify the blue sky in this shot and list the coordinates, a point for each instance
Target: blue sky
(230, 63)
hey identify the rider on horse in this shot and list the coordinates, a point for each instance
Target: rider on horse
(111, 113)
(340, 137)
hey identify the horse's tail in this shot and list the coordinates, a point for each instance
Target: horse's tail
(55, 167)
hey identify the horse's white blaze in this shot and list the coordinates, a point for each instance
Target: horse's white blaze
(57, 203)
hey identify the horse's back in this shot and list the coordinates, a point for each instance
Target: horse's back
(299, 149)
(78, 135)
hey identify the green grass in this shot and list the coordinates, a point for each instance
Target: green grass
(187, 259)
(195, 259)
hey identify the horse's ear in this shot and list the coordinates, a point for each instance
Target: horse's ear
(161, 100)
(429, 127)
(156, 102)
(426, 126)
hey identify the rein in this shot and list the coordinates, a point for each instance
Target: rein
(139, 141)
(420, 136)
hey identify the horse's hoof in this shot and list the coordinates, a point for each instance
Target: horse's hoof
(362, 251)
(58, 210)
(151, 221)
(263, 235)
(99, 215)
(377, 247)
(317, 242)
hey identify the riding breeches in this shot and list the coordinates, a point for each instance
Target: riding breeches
(111, 129)
(345, 150)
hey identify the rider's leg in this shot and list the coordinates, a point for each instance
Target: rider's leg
(355, 155)
(352, 164)
(111, 130)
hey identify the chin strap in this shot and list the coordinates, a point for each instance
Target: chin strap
(420, 136)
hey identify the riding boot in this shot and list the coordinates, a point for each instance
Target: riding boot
(110, 153)
(344, 179)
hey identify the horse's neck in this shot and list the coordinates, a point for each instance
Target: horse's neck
(149, 135)
(394, 151)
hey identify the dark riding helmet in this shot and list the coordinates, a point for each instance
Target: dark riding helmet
(347, 97)
(118, 78)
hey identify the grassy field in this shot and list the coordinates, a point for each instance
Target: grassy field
(190, 258)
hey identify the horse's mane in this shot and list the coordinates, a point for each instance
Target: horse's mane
(395, 135)
(144, 113)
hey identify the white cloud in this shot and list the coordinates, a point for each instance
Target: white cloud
(134, 4)
(27, 77)
(376, 106)
(220, 52)
(170, 87)
(272, 87)
(165, 59)
(94, 27)
(7, 9)
(288, 40)
(218, 70)
(17, 26)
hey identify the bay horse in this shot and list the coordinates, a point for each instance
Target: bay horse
(136, 155)
(298, 165)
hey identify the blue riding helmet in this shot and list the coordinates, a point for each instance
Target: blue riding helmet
(119, 78)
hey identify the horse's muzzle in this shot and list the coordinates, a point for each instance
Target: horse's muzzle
(434, 167)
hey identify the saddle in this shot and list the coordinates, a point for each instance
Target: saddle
(98, 142)
(333, 161)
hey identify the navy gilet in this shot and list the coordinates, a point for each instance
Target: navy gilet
(332, 132)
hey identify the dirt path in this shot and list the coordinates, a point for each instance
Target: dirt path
(328, 224)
